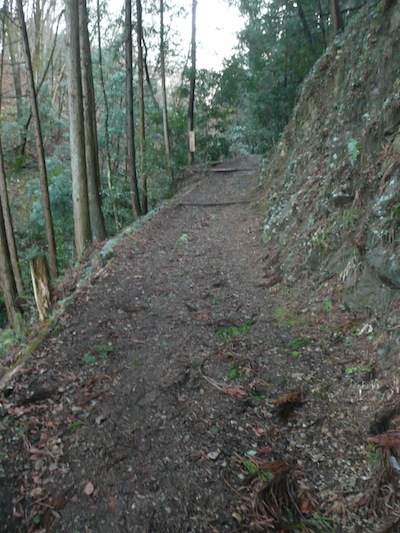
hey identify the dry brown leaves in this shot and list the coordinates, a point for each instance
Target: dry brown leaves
(277, 502)
(273, 280)
(390, 439)
(285, 405)
(390, 161)
(275, 467)
(235, 391)
(382, 494)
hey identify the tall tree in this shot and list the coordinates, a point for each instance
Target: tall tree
(38, 43)
(8, 223)
(44, 187)
(149, 84)
(7, 280)
(280, 43)
(304, 23)
(91, 143)
(80, 198)
(15, 70)
(106, 112)
(167, 139)
(103, 87)
(130, 124)
(337, 20)
(142, 125)
(39, 84)
(192, 87)
(8, 226)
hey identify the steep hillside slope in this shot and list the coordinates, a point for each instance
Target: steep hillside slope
(333, 182)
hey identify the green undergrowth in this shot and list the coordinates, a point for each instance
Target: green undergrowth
(284, 316)
(296, 346)
(96, 353)
(8, 339)
(263, 475)
(226, 335)
(234, 372)
(357, 369)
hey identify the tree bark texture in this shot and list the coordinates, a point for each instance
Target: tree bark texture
(41, 285)
(106, 113)
(103, 86)
(77, 133)
(91, 144)
(142, 125)
(321, 18)
(147, 75)
(337, 21)
(38, 44)
(167, 140)
(8, 223)
(7, 280)
(130, 124)
(44, 187)
(16, 74)
(8, 227)
(192, 85)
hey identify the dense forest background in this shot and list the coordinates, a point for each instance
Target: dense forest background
(241, 109)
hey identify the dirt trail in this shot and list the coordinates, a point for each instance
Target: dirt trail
(165, 400)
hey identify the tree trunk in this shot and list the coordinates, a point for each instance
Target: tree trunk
(130, 125)
(147, 75)
(167, 140)
(41, 285)
(192, 87)
(91, 144)
(39, 85)
(321, 20)
(77, 132)
(8, 227)
(38, 45)
(106, 114)
(305, 25)
(142, 126)
(337, 21)
(7, 280)
(16, 74)
(51, 243)
(8, 223)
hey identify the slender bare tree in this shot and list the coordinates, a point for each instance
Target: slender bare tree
(91, 143)
(167, 139)
(337, 20)
(130, 125)
(80, 198)
(7, 280)
(106, 113)
(51, 243)
(8, 223)
(142, 124)
(306, 28)
(15, 70)
(8, 226)
(191, 142)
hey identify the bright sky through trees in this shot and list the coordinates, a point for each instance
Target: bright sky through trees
(217, 25)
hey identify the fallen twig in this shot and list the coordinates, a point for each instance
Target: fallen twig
(236, 391)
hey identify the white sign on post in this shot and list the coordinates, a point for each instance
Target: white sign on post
(192, 145)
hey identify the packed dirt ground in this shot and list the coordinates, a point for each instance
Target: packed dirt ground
(185, 389)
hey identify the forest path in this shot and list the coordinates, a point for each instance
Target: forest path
(138, 413)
